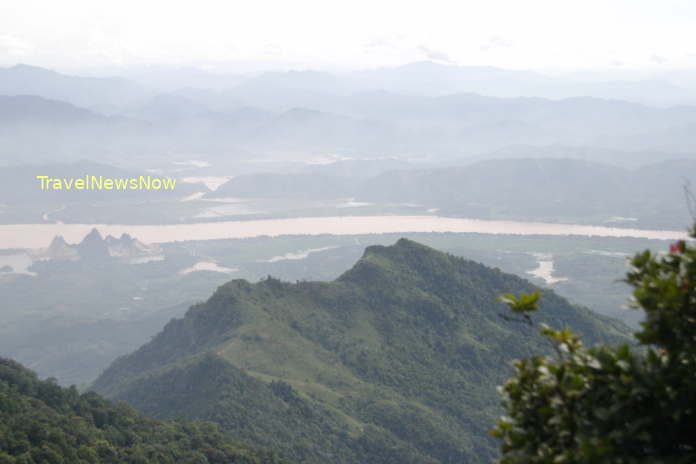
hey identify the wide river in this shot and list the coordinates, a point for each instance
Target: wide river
(39, 235)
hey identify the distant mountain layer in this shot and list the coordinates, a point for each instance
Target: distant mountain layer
(98, 93)
(546, 189)
(281, 123)
(37, 129)
(30, 108)
(383, 122)
(523, 189)
(425, 78)
(42, 423)
(395, 361)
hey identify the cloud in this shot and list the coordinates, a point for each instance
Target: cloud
(657, 59)
(434, 55)
(12, 45)
(379, 42)
(269, 49)
(496, 42)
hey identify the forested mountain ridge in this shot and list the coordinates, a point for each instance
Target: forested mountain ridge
(395, 361)
(43, 423)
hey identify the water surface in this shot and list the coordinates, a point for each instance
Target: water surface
(39, 235)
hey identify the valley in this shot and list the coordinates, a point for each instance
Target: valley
(353, 233)
(122, 300)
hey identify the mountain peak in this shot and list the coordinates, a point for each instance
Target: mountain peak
(399, 250)
(92, 236)
(58, 240)
(58, 249)
(128, 246)
(26, 68)
(93, 246)
(405, 243)
(405, 259)
(406, 341)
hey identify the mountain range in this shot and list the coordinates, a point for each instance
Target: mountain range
(95, 93)
(542, 189)
(93, 247)
(395, 361)
(303, 113)
(425, 78)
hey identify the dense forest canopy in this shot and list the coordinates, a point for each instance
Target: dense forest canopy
(43, 423)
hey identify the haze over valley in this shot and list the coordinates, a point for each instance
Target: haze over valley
(235, 235)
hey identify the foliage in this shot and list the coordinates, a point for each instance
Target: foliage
(43, 423)
(617, 404)
(395, 361)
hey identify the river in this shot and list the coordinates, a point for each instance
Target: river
(35, 236)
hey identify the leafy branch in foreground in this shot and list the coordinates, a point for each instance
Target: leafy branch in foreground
(523, 305)
(612, 404)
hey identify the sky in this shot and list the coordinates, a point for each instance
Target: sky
(349, 34)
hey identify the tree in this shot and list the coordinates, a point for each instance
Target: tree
(612, 404)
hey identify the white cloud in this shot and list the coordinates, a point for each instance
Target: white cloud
(361, 33)
(657, 59)
(496, 42)
(434, 55)
(380, 42)
(14, 46)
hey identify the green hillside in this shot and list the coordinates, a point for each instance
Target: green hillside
(396, 361)
(42, 423)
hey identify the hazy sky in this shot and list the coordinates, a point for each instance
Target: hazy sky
(536, 34)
